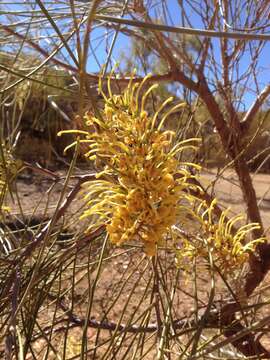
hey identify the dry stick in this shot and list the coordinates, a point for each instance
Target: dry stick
(184, 30)
(77, 321)
(40, 170)
(183, 325)
(206, 42)
(249, 116)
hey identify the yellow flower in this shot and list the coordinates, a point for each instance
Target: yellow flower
(229, 245)
(139, 162)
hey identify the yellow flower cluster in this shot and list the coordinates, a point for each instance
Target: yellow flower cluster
(143, 181)
(228, 245)
(143, 190)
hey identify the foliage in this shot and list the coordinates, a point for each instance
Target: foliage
(136, 255)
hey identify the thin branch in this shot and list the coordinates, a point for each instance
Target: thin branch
(184, 30)
(254, 108)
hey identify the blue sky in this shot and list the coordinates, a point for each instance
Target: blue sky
(101, 42)
(123, 45)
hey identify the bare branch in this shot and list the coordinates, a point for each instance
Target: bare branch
(182, 30)
(254, 108)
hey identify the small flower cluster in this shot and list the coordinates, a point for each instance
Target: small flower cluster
(141, 184)
(228, 245)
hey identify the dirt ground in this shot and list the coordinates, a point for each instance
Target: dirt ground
(223, 186)
(38, 200)
(227, 190)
